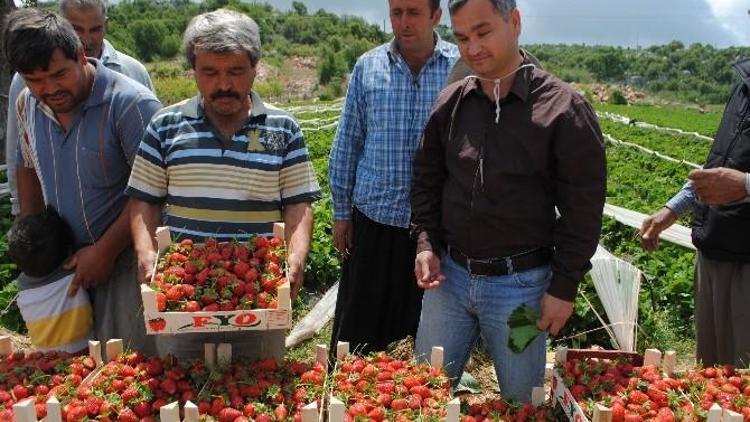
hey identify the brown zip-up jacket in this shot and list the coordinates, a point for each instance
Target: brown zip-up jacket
(490, 190)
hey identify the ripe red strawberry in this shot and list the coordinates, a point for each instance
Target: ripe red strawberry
(214, 307)
(399, 404)
(217, 405)
(161, 302)
(168, 386)
(142, 409)
(637, 397)
(241, 268)
(188, 291)
(251, 275)
(192, 306)
(20, 392)
(281, 412)
(130, 394)
(175, 293)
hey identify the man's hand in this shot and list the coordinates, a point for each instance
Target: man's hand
(555, 313)
(342, 236)
(295, 274)
(146, 261)
(652, 227)
(719, 185)
(92, 265)
(427, 270)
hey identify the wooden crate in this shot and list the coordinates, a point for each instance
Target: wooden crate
(214, 322)
(561, 395)
(24, 411)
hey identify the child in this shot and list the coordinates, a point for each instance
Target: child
(39, 244)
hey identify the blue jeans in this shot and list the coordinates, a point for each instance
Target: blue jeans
(464, 306)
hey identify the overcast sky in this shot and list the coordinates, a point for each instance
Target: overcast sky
(611, 22)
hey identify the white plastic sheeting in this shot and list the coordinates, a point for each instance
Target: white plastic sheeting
(618, 284)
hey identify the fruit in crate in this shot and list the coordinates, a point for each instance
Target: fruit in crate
(379, 387)
(40, 375)
(215, 276)
(262, 391)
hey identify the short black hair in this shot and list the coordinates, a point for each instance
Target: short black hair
(32, 35)
(434, 5)
(504, 7)
(39, 243)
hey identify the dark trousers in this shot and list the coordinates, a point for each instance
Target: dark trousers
(378, 300)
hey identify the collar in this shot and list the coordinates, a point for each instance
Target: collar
(104, 85)
(109, 55)
(441, 48)
(521, 83)
(193, 108)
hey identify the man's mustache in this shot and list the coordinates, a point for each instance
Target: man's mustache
(225, 94)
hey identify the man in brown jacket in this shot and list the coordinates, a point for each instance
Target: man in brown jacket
(500, 152)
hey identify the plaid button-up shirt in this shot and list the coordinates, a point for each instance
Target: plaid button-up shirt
(386, 107)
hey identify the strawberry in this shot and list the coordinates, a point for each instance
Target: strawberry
(175, 293)
(281, 412)
(229, 414)
(168, 386)
(142, 409)
(20, 392)
(161, 302)
(192, 306)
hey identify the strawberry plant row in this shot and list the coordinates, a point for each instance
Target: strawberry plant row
(671, 117)
(681, 147)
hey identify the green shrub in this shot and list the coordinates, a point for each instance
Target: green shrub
(617, 97)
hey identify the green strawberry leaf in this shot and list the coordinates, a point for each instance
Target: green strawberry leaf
(523, 330)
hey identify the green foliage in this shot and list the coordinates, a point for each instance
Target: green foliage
(148, 36)
(617, 97)
(698, 73)
(269, 90)
(10, 317)
(171, 90)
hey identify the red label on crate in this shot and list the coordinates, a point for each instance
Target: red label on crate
(244, 319)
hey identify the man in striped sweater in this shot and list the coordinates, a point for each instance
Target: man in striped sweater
(223, 165)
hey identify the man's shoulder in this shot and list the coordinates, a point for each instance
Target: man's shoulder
(174, 113)
(448, 95)
(375, 55)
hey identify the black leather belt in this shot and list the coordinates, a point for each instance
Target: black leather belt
(502, 266)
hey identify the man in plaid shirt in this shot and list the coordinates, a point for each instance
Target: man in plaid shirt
(390, 95)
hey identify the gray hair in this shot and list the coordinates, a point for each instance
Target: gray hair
(222, 31)
(504, 7)
(83, 5)
(31, 35)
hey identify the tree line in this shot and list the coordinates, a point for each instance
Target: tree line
(151, 30)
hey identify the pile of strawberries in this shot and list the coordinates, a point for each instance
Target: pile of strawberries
(219, 276)
(498, 409)
(378, 387)
(644, 394)
(262, 391)
(39, 375)
(133, 388)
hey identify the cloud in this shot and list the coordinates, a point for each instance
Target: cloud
(733, 17)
